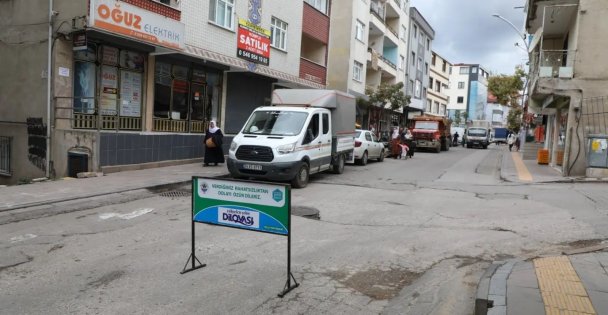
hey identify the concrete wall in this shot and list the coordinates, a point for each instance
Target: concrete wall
(592, 41)
(339, 61)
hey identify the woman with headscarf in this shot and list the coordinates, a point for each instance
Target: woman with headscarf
(213, 145)
(396, 143)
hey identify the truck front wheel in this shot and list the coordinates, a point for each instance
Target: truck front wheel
(301, 179)
(338, 168)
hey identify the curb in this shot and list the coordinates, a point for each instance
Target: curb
(491, 297)
(482, 304)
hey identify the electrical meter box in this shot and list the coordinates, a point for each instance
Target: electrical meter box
(597, 154)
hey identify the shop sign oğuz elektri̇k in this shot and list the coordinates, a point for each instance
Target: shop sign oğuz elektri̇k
(134, 22)
(240, 204)
(253, 43)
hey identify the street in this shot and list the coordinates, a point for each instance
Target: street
(395, 237)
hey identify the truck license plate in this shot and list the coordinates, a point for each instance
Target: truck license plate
(252, 167)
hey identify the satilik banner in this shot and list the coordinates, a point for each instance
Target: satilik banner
(253, 43)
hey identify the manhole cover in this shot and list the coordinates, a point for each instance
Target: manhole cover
(306, 212)
(175, 194)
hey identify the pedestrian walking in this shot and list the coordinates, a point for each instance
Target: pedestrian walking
(511, 141)
(455, 141)
(517, 142)
(395, 143)
(213, 145)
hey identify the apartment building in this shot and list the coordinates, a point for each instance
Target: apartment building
(116, 85)
(468, 92)
(419, 57)
(568, 82)
(368, 47)
(439, 81)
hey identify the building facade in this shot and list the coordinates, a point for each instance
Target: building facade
(439, 82)
(124, 85)
(419, 57)
(468, 92)
(568, 82)
(368, 47)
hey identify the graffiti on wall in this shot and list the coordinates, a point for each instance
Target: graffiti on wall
(36, 142)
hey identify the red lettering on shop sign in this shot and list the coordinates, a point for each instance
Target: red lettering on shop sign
(119, 16)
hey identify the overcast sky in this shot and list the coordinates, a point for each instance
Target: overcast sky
(466, 31)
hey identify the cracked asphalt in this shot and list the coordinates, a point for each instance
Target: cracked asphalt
(398, 237)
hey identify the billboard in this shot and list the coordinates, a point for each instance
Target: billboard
(241, 204)
(137, 23)
(253, 43)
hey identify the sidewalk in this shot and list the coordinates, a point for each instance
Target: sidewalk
(37, 194)
(575, 282)
(567, 284)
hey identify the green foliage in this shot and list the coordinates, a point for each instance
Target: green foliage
(514, 119)
(385, 94)
(506, 87)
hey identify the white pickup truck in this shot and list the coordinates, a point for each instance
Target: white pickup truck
(304, 132)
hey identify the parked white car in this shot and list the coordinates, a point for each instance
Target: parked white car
(367, 146)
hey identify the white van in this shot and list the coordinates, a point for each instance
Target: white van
(304, 132)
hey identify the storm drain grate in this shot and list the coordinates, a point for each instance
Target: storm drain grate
(175, 194)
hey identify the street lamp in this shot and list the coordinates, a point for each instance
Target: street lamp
(522, 35)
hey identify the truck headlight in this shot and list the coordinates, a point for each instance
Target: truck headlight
(233, 146)
(286, 148)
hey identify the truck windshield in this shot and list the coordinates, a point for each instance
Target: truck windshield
(477, 132)
(277, 123)
(429, 125)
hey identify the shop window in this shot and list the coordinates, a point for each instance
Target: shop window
(108, 81)
(185, 96)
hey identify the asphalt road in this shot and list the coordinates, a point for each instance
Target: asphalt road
(395, 237)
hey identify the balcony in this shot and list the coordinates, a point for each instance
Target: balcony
(377, 9)
(380, 63)
(556, 64)
(315, 24)
(312, 71)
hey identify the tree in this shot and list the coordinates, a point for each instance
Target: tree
(506, 87)
(514, 119)
(386, 94)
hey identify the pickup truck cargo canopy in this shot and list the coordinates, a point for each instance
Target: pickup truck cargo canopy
(314, 98)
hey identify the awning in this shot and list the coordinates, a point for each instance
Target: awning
(242, 64)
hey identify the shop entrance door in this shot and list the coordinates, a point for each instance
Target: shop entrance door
(198, 108)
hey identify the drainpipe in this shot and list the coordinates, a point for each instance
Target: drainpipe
(48, 91)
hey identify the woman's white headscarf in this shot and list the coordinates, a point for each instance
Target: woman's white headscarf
(395, 133)
(213, 126)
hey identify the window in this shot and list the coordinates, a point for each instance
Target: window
(428, 44)
(368, 136)
(433, 59)
(221, 13)
(474, 70)
(320, 5)
(461, 85)
(426, 67)
(444, 66)
(413, 58)
(278, 31)
(460, 100)
(5, 155)
(167, 2)
(428, 106)
(325, 123)
(423, 92)
(415, 31)
(464, 70)
(359, 30)
(436, 107)
(431, 82)
(403, 32)
(417, 89)
(411, 87)
(401, 62)
(357, 69)
(312, 131)
(438, 86)
(419, 65)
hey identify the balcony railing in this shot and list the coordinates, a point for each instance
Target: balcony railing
(388, 62)
(378, 10)
(554, 63)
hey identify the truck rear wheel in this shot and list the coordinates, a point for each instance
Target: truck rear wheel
(338, 168)
(301, 179)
